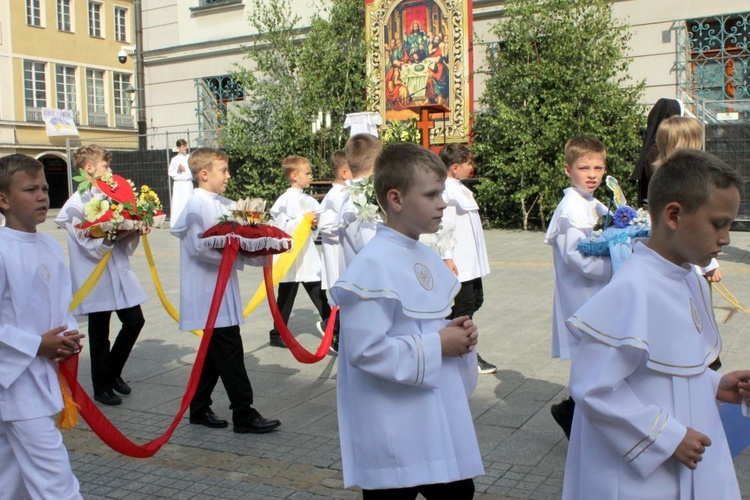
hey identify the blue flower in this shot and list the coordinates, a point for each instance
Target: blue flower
(623, 215)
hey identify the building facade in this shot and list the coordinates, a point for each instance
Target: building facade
(63, 55)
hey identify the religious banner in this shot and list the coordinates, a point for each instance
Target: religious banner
(420, 55)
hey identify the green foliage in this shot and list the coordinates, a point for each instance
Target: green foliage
(401, 131)
(559, 70)
(292, 74)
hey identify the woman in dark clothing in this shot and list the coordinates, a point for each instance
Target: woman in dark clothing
(664, 108)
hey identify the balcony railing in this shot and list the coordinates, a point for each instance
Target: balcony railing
(34, 114)
(124, 121)
(98, 119)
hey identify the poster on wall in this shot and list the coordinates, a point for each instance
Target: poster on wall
(420, 54)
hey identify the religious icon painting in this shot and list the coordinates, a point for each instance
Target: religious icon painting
(420, 55)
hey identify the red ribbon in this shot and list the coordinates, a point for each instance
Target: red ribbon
(93, 416)
(300, 353)
(112, 437)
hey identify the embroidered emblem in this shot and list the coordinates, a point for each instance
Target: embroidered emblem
(424, 276)
(44, 273)
(696, 316)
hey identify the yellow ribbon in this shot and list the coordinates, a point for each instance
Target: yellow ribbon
(159, 289)
(729, 297)
(284, 262)
(90, 282)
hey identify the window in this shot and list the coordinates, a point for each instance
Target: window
(122, 93)
(34, 85)
(719, 56)
(121, 16)
(95, 19)
(95, 98)
(63, 16)
(34, 13)
(65, 87)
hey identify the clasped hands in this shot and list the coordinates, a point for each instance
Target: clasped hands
(459, 337)
(58, 347)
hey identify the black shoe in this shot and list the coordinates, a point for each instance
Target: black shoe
(254, 423)
(275, 340)
(485, 367)
(108, 398)
(562, 412)
(120, 386)
(209, 419)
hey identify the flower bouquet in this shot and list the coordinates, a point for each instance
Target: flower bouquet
(244, 221)
(615, 233)
(362, 195)
(115, 207)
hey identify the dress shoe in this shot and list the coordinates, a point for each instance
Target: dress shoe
(119, 385)
(209, 419)
(275, 340)
(254, 423)
(108, 398)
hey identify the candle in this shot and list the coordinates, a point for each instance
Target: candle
(314, 127)
(328, 120)
(320, 116)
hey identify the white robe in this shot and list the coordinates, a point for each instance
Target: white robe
(468, 250)
(35, 292)
(119, 287)
(354, 233)
(640, 377)
(577, 277)
(199, 267)
(403, 411)
(328, 226)
(365, 122)
(287, 212)
(182, 185)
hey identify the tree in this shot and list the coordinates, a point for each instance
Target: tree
(293, 73)
(560, 69)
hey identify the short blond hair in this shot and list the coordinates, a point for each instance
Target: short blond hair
(202, 158)
(677, 132)
(582, 145)
(90, 155)
(293, 163)
(361, 152)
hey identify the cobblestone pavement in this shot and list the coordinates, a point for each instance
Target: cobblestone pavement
(523, 449)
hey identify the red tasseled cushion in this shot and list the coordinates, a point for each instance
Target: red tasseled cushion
(252, 232)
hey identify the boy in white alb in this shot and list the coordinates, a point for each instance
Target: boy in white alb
(577, 277)
(36, 330)
(182, 180)
(646, 423)
(328, 219)
(359, 216)
(328, 226)
(287, 212)
(466, 252)
(117, 290)
(405, 372)
(199, 268)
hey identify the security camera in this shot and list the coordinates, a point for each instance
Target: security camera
(122, 56)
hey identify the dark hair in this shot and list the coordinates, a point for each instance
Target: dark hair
(397, 164)
(455, 154)
(181, 142)
(687, 178)
(361, 151)
(12, 164)
(338, 160)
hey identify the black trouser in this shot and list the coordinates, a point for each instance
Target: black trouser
(106, 363)
(225, 359)
(468, 299)
(457, 490)
(288, 292)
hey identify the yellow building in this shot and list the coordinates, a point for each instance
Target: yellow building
(63, 55)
